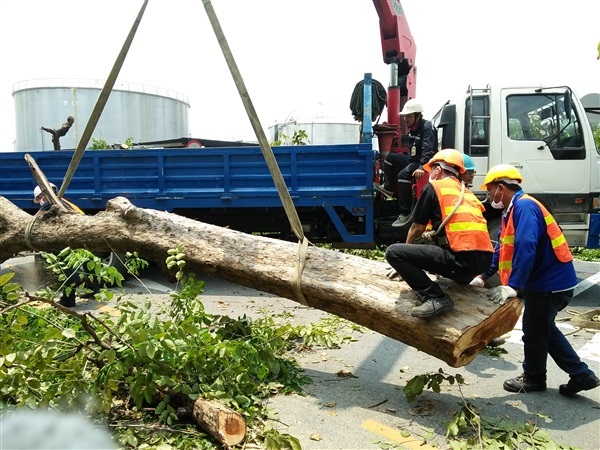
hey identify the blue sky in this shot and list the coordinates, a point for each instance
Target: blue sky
(297, 58)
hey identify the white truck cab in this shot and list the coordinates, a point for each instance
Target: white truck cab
(545, 133)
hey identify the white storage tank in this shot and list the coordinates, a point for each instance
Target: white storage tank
(144, 113)
(321, 130)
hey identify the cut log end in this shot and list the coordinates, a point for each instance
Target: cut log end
(476, 338)
(233, 426)
(222, 423)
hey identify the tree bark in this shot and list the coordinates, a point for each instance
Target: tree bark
(348, 286)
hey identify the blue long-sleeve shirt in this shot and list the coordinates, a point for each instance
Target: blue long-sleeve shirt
(534, 264)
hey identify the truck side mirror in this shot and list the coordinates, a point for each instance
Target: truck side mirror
(568, 103)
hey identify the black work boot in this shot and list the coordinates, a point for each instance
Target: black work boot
(432, 306)
(579, 384)
(523, 383)
(67, 300)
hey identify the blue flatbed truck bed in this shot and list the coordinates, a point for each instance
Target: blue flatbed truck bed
(331, 186)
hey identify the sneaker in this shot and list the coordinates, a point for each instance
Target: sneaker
(402, 221)
(432, 306)
(381, 188)
(524, 384)
(575, 385)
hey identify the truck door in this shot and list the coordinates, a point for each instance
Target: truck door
(542, 135)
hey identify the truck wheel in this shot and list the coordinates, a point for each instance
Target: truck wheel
(117, 261)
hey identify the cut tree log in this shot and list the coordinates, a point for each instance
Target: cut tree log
(348, 286)
(221, 422)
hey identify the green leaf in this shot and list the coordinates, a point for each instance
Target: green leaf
(9, 287)
(69, 333)
(6, 277)
(150, 349)
(168, 343)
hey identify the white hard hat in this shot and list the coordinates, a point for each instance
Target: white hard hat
(38, 190)
(411, 106)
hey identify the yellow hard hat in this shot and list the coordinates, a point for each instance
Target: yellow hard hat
(502, 172)
(447, 157)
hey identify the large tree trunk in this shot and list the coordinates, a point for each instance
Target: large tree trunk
(348, 286)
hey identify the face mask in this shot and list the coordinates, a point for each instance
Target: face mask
(497, 205)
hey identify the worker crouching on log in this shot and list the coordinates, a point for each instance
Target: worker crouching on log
(461, 243)
(533, 257)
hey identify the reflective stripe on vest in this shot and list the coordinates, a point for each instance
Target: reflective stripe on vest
(466, 230)
(507, 241)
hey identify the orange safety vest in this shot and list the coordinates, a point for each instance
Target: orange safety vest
(507, 242)
(466, 230)
(73, 206)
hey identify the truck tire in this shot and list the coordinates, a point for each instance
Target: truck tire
(117, 261)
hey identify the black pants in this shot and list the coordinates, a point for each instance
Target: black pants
(412, 260)
(77, 278)
(398, 166)
(541, 337)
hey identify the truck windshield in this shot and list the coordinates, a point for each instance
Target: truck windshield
(542, 117)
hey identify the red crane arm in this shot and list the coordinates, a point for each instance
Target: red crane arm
(399, 50)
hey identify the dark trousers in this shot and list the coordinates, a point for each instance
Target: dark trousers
(412, 260)
(541, 337)
(398, 166)
(76, 278)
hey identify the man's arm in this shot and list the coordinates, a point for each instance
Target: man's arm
(416, 230)
(428, 144)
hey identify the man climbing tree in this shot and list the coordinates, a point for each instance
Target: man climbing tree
(60, 132)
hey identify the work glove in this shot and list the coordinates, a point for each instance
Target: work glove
(501, 293)
(392, 274)
(478, 281)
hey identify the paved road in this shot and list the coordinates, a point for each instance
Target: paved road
(362, 411)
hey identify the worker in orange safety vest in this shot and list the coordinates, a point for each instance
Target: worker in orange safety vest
(461, 242)
(534, 262)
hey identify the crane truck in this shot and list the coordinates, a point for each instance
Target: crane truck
(543, 131)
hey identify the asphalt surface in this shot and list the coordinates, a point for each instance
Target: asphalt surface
(366, 408)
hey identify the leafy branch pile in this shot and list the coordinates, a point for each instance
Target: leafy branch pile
(468, 429)
(144, 366)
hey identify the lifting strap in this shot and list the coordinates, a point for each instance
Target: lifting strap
(100, 103)
(284, 195)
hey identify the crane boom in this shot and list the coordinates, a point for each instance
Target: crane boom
(399, 51)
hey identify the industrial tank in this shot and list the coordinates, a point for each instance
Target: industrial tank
(142, 112)
(323, 127)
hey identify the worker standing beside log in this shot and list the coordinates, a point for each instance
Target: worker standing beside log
(533, 257)
(461, 242)
(68, 296)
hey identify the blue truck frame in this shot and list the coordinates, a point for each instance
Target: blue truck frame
(226, 186)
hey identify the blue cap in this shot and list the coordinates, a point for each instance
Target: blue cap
(469, 164)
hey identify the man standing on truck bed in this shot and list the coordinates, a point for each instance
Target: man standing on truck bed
(422, 146)
(533, 257)
(460, 245)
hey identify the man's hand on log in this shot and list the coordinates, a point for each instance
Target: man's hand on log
(392, 274)
(501, 293)
(478, 281)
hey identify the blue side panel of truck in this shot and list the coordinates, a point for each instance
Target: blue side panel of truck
(329, 177)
